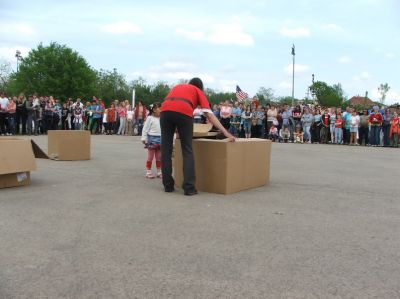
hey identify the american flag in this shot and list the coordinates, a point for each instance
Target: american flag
(240, 94)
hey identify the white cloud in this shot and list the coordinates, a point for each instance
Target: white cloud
(8, 53)
(390, 55)
(392, 96)
(121, 27)
(176, 65)
(344, 60)
(193, 35)
(230, 34)
(285, 85)
(331, 27)
(362, 77)
(222, 34)
(18, 29)
(298, 68)
(295, 32)
(228, 85)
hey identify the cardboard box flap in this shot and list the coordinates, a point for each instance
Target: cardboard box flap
(202, 128)
(37, 151)
(16, 155)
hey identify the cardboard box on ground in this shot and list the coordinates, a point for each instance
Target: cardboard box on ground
(17, 160)
(226, 167)
(68, 145)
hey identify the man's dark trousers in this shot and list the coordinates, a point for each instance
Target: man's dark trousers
(170, 121)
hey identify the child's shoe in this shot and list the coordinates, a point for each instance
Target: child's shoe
(159, 174)
(149, 174)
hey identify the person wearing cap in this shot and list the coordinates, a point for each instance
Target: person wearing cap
(177, 114)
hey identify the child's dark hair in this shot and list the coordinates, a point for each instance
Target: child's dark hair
(153, 107)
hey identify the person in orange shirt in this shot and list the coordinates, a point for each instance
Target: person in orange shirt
(395, 130)
(177, 114)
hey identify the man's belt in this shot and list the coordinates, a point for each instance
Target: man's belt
(181, 99)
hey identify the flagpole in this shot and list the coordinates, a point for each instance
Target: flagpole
(294, 54)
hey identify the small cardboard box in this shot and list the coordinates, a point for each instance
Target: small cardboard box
(68, 145)
(227, 167)
(16, 162)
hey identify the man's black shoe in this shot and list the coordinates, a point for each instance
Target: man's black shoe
(190, 192)
(169, 189)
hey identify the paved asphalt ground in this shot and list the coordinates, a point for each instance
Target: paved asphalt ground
(327, 226)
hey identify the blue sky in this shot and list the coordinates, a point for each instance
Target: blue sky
(355, 43)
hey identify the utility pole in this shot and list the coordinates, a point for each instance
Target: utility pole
(294, 55)
(18, 56)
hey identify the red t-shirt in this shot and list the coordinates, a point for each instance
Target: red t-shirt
(325, 119)
(338, 123)
(376, 119)
(188, 92)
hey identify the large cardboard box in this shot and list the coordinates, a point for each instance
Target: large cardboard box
(227, 167)
(68, 145)
(16, 162)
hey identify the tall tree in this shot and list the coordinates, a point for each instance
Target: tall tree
(265, 95)
(55, 70)
(111, 85)
(383, 90)
(5, 74)
(327, 95)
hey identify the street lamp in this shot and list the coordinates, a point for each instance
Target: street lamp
(293, 54)
(19, 57)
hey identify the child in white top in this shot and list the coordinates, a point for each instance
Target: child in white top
(151, 138)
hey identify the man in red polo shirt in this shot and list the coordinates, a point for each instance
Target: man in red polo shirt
(177, 113)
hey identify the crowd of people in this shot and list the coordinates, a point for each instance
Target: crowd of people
(36, 115)
(309, 123)
(300, 124)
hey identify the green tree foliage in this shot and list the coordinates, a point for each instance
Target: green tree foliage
(55, 70)
(111, 85)
(215, 97)
(383, 90)
(5, 74)
(287, 100)
(265, 95)
(327, 96)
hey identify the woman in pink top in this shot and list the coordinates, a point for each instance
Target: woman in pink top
(225, 114)
(122, 119)
(11, 115)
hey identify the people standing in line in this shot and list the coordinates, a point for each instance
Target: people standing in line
(11, 116)
(354, 124)
(21, 116)
(177, 114)
(247, 116)
(97, 113)
(375, 119)
(325, 123)
(346, 125)
(31, 122)
(122, 118)
(225, 114)
(111, 119)
(332, 119)
(339, 129)
(64, 116)
(307, 120)
(394, 130)
(140, 116)
(3, 113)
(78, 115)
(363, 129)
(387, 118)
(316, 132)
(151, 138)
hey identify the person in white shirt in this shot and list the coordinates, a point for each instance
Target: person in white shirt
(151, 138)
(3, 113)
(354, 124)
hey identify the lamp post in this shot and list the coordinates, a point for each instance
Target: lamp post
(19, 57)
(293, 54)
